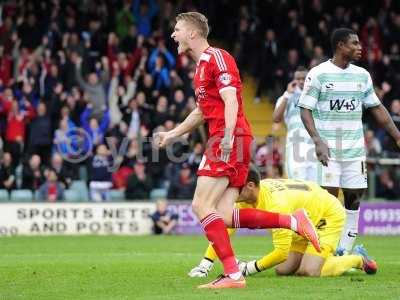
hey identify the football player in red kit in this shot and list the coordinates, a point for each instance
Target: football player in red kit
(224, 167)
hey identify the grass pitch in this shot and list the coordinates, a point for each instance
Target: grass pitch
(155, 267)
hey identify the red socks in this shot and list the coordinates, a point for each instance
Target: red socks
(257, 219)
(215, 230)
(216, 233)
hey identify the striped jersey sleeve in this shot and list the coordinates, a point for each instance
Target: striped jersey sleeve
(370, 98)
(312, 89)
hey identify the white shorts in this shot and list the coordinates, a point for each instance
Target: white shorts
(343, 174)
(301, 162)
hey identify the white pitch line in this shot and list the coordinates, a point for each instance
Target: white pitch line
(115, 254)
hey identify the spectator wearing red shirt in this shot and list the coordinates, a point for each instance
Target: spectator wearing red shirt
(5, 67)
(52, 190)
(18, 117)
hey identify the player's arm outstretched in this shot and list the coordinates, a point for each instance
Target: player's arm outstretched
(192, 121)
(381, 114)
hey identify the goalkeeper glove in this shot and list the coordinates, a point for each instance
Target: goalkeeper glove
(248, 268)
(202, 269)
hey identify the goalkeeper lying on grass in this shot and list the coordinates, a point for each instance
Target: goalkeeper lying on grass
(293, 254)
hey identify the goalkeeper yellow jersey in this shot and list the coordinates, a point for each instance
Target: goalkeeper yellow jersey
(286, 196)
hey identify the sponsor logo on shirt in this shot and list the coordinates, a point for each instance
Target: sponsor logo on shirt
(200, 93)
(329, 86)
(344, 105)
(225, 78)
(352, 234)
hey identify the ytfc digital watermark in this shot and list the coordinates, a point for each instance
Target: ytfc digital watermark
(76, 145)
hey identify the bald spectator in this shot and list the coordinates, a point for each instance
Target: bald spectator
(64, 174)
(32, 174)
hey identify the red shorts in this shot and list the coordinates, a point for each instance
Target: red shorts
(238, 165)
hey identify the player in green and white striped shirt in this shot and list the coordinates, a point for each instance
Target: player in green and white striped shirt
(300, 160)
(335, 92)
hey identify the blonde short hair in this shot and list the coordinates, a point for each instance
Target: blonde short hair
(197, 19)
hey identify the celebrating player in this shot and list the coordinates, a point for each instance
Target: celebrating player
(331, 109)
(226, 159)
(292, 254)
(300, 162)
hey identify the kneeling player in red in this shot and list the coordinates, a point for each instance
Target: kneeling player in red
(225, 164)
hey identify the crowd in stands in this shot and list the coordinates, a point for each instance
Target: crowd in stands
(85, 84)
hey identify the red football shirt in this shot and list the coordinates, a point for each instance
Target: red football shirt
(217, 71)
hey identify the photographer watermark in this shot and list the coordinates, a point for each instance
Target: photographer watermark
(76, 145)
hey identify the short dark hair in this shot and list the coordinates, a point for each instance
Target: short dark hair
(340, 35)
(253, 175)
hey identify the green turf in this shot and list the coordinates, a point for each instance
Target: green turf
(152, 267)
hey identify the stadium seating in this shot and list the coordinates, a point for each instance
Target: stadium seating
(21, 196)
(36, 196)
(117, 196)
(158, 193)
(72, 196)
(4, 197)
(83, 175)
(81, 187)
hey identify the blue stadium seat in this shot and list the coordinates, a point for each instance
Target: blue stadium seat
(81, 187)
(72, 196)
(158, 193)
(18, 175)
(36, 197)
(117, 196)
(83, 174)
(21, 196)
(4, 197)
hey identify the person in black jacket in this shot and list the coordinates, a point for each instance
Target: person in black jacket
(7, 173)
(32, 174)
(183, 184)
(139, 184)
(63, 172)
(40, 135)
